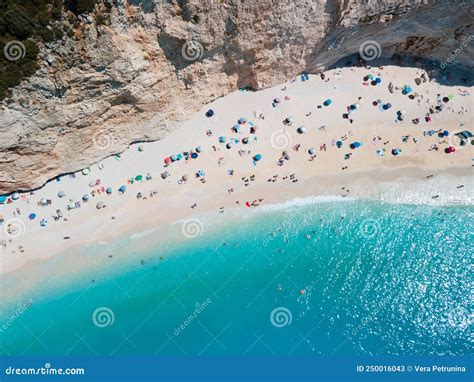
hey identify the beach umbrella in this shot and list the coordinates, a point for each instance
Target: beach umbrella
(43, 201)
(185, 177)
(199, 149)
(445, 133)
(379, 152)
(15, 196)
(339, 144)
(222, 139)
(229, 145)
(245, 141)
(92, 183)
(327, 102)
(449, 150)
(100, 205)
(209, 113)
(141, 148)
(71, 206)
(241, 121)
(85, 197)
(288, 121)
(174, 158)
(85, 171)
(396, 151)
(167, 160)
(355, 145)
(311, 151)
(253, 129)
(165, 174)
(3, 198)
(194, 155)
(179, 156)
(122, 188)
(257, 157)
(138, 178)
(61, 194)
(139, 195)
(301, 130)
(276, 100)
(287, 98)
(108, 190)
(378, 80)
(43, 222)
(32, 216)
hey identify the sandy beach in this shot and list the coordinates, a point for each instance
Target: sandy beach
(349, 147)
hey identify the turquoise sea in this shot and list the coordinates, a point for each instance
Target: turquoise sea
(312, 277)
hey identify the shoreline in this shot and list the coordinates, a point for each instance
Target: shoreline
(233, 179)
(359, 191)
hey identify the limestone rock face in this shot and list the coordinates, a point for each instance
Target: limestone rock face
(156, 62)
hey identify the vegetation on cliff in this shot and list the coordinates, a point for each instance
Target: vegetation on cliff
(25, 23)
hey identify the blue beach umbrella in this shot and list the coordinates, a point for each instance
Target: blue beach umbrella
(85, 197)
(122, 188)
(355, 145)
(108, 190)
(339, 144)
(241, 121)
(209, 113)
(194, 155)
(327, 102)
(257, 157)
(32, 216)
(3, 198)
(199, 149)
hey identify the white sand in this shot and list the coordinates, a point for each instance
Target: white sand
(367, 175)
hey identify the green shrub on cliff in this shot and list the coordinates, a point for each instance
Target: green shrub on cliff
(23, 24)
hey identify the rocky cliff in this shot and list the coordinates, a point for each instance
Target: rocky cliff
(146, 65)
